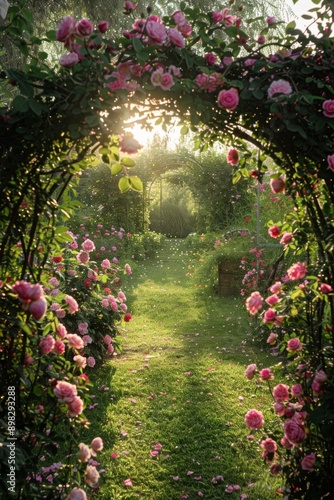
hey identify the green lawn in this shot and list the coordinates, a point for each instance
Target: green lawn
(178, 389)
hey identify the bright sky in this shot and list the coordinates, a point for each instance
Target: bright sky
(300, 8)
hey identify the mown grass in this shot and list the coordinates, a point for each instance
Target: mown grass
(180, 383)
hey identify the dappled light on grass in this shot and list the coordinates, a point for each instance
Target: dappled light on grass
(179, 396)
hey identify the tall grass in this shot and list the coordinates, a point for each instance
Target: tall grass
(172, 419)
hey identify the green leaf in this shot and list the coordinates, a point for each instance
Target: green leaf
(128, 162)
(135, 183)
(20, 103)
(116, 168)
(184, 130)
(137, 45)
(124, 185)
(35, 107)
(236, 178)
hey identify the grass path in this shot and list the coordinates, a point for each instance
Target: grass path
(172, 420)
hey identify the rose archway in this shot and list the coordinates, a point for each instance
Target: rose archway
(266, 95)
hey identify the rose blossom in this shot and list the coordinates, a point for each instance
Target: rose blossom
(127, 317)
(274, 232)
(330, 161)
(286, 443)
(271, 20)
(67, 29)
(228, 99)
(293, 432)
(75, 406)
(276, 287)
(254, 419)
(84, 453)
(250, 370)
(107, 339)
(59, 347)
(281, 393)
(269, 445)
(27, 292)
(85, 28)
(297, 390)
(308, 462)
(286, 239)
(77, 494)
(83, 257)
(328, 108)
(128, 144)
(97, 445)
(272, 299)
(294, 345)
(61, 330)
(91, 475)
(69, 60)
(83, 328)
(106, 264)
(266, 374)
(269, 316)
(233, 156)
(279, 87)
(325, 288)
(88, 245)
(176, 38)
(156, 32)
(75, 341)
(87, 339)
(297, 271)
(103, 26)
(47, 344)
(279, 409)
(90, 361)
(254, 303)
(64, 391)
(81, 361)
(73, 306)
(38, 308)
(128, 269)
(272, 338)
(320, 376)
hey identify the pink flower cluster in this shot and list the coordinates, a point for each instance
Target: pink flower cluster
(67, 393)
(32, 298)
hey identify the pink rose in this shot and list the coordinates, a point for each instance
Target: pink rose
(97, 445)
(107, 339)
(69, 60)
(293, 432)
(106, 264)
(128, 144)
(59, 347)
(81, 361)
(254, 303)
(91, 361)
(279, 409)
(85, 28)
(320, 376)
(276, 287)
(47, 344)
(330, 161)
(88, 245)
(272, 299)
(294, 345)
(103, 26)
(64, 391)
(217, 17)
(324, 288)
(156, 32)
(274, 232)
(67, 29)
(75, 341)
(308, 462)
(77, 494)
(281, 393)
(286, 443)
(269, 445)
(271, 20)
(178, 17)
(38, 308)
(266, 374)
(328, 108)
(83, 328)
(73, 306)
(269, 316)
(272, 338)
(286, 239)
(75, 406)
(297, 271)
(261, 39)
(83, 257)
(27, 292)
(128, 269)
(210, 58)
(91, 475)
(279, 87)
(228, 99)
(233, 156)
(254, 419)
(61, 330)
(84, 453)
(297, 390)
(250, 370)
(175, 37)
